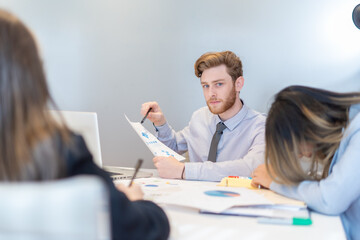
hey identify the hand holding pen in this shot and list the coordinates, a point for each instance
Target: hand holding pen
(147, 113)
(152, 111)
(133, 191)
(137, 167)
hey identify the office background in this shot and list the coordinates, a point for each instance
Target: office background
(110, 56)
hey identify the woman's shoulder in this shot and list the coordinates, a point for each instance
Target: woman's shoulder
(354, 111)
(77, 140)
(351, 133)
(72, 148)
(75, 144)
(61, 142)
(354, 123)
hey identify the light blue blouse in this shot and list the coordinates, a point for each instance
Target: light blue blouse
(240, 150)
(339, 193)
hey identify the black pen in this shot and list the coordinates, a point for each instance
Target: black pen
(142, 121)
(137, 167)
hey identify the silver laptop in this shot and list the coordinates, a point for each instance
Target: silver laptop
(86, 124)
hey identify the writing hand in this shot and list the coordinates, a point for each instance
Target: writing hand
(155, 115)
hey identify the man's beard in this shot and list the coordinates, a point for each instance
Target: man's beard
(226, 104)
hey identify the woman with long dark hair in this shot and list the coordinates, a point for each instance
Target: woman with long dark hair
(313, 151)
(34, 147)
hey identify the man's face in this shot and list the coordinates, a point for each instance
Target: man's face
(219, 89)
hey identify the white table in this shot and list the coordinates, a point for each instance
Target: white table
(188, 224)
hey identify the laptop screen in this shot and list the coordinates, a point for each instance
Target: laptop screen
(85, 124)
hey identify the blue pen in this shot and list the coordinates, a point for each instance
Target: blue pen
(285, 221)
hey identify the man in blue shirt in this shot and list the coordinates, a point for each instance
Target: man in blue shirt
(242, 142)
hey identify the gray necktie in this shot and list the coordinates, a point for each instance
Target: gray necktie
(215, 141)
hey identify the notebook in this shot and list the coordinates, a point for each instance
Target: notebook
(86, 124)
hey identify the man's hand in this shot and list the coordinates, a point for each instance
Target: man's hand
(155, 115)
(168, 167)
(260, 176)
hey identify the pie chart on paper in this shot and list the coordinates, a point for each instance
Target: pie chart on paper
(220, 193)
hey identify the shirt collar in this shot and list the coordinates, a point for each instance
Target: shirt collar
(236, 119)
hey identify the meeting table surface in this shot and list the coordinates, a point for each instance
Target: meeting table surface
(188, 224)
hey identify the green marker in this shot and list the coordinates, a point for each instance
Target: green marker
(286, 221)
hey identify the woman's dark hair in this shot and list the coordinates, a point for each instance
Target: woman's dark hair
(304, 116)
(25, 122)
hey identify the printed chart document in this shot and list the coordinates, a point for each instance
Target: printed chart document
(156, 147)
(208, 197)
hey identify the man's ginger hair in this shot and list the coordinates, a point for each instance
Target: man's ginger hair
(213, 59)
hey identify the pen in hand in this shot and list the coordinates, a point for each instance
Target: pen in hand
(142, 121)
(137, 167)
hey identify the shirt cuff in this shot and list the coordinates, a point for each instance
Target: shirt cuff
(288, 191)
(192, 170)
(163, 132)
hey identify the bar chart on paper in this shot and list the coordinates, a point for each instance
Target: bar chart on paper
(156, 147)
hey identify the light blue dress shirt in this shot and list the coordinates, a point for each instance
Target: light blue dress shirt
(339, 193)
(240, 150)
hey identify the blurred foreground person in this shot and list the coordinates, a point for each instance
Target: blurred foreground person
(34, 147)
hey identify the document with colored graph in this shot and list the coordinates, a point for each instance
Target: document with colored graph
(156, 147)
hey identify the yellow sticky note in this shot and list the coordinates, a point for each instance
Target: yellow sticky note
(236, 182)
(223, 182)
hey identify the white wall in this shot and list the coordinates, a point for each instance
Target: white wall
(110, 56)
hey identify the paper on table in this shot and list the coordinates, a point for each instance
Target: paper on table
(259, 202)
(223, 198)
(195, 194)
(274, 211)
(156, 147)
